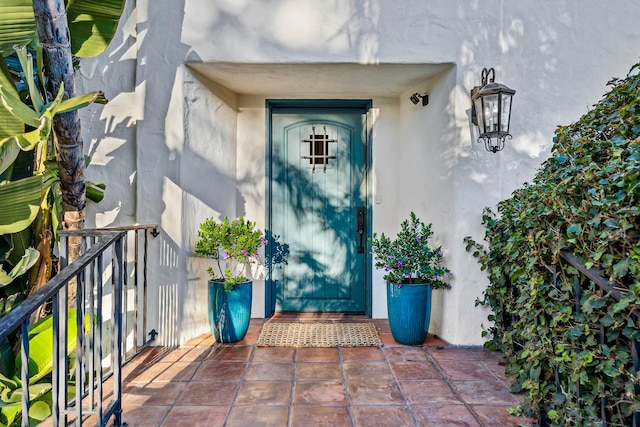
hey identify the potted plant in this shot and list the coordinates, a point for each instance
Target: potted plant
(412, 269)
(233, 245)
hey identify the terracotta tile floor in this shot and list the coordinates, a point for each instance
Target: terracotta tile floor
(204, 383)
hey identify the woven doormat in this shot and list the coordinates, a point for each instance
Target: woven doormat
(280, 334)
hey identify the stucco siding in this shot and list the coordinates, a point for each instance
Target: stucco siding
(184, 135)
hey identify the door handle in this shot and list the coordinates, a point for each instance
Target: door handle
(360, 220)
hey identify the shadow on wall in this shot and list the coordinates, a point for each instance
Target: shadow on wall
(177, 162)
(109, 131)
(334, 30)
(136, 114)
(316, 209)
(158, 157)
(168, 292)
(546, 57)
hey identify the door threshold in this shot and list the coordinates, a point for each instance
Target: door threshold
(319, 315)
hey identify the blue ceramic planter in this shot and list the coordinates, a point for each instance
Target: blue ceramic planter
(229, 312)
(409, 308)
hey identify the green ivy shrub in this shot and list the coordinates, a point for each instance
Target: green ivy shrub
(584, 199)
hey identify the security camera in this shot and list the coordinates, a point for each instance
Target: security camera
(415, 98)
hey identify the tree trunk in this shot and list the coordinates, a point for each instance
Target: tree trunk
(53, 31)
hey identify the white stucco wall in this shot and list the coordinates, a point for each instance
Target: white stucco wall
(175, 147)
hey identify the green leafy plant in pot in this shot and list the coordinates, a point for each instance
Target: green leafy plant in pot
(233, 245)
(412, 269)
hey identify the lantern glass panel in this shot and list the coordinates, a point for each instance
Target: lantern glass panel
(479, 116)
(505, 112)
(491, 113)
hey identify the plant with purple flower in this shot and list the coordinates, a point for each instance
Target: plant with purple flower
(409, 258)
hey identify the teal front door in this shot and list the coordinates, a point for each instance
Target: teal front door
(319, 207)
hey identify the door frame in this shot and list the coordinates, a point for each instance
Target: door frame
(366, 105)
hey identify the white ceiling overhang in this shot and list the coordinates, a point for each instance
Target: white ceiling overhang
(318, 80)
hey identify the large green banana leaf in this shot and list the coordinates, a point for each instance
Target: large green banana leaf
(47, 323)
(18, 244)
(92, 24)
(81, 101)
(9, 395)
(9, 150)
(9, 303)
(24, 195)
(27, 261)
(7, 362)
(11, 413)
(9, 124)
(41, 345)
(14, 105)
(17, 24)
(40, 365)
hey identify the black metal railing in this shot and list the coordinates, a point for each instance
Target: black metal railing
(110, 286)
(584, 279)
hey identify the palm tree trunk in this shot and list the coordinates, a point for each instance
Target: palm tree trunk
(53, 31)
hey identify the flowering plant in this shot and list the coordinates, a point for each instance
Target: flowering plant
(235, 242)
(408, 258)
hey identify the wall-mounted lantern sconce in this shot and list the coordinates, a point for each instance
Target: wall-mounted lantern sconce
(491, 111)
(415, 98)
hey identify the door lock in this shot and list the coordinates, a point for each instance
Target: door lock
(360, 220)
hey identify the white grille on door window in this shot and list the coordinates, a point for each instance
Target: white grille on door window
(319, 149)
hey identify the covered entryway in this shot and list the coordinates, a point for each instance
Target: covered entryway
(233, 110)
(318, 205)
